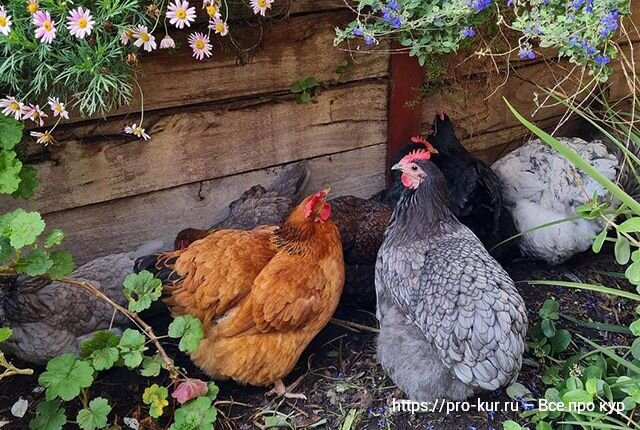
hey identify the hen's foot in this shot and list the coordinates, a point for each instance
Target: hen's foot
(280, 390)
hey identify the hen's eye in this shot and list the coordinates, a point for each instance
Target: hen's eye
(414, 167)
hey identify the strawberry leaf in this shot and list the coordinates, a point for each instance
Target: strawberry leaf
(65, 377)
(132, 347)
(95, 416)
(141, 290)
(36, 263)
(156, 397)
(63, 264)
(49, 416)
(189, 329)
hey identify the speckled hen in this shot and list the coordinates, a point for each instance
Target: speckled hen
(49, 318)
(451, 320)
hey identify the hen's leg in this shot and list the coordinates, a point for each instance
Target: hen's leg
(280, 389)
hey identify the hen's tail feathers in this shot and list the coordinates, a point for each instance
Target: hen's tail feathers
(161, 267)
(292, 181)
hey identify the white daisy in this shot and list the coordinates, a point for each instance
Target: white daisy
(35, 114)
(125, 36)
(12, 107)
(167, 43)
(136, 130)
(180, 14)
(199, 42)
(80, 22)
(58, 108)
(44, 138)
(261, 6)
(5, 22)
(144, 38)
(219, 26)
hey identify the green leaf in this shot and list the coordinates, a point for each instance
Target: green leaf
(189, 329)
(155, 397)
(213, 391)
(622, 250)
(599, 241)
(635, 328)
(10, 132)
(196, 414)
(296, 87)
(141, 290)
(631, 225)
(132, 347)
(95, 416)
(511, 425)
(577, 396)
(28, 183)
(101, 340)
(55, 237)
(63, 264)
(49, 416)
(105, 357)
(151, 366)
(22, 228)
(304, 98)
(548, 328)
(65, 377)
(542, 425)
(517, 390)
(310, 82)
(560, 341)
(5, 333)
(635, 349)
(549, 310)
(6, 250)
(36, 263)
(10, 168)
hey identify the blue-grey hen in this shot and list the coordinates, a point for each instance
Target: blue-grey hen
(451, 320)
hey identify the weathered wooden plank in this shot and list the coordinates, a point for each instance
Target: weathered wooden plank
(483, 119)
(291, 50)
(95, 162)
(306, 6)
(125, 223)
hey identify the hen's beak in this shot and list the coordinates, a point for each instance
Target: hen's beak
(397, 166)
(326, 191)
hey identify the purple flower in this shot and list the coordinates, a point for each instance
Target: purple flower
(589, 7)
(369, 40)
(609, 23)
(479, 5)
(393, 4)
(510, 3)
(396, 22)
(357, 31)
(527, 54)
(468, 32)
(602, 59)
(577, 4)
(472, 427)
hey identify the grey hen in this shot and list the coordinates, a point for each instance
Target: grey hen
(49, 318)
(451, 321)
(257, 206)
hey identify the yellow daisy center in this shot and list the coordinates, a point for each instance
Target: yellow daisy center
(82, 23)
(181, 14)
(144, 37)
(200, 44)
(220, 27)
(14, 106)
(35, 114)
(3, 21)
(58, 108)
(32, 8)
(46, 138)
(212, 10)
(262, 3)
(47, 25)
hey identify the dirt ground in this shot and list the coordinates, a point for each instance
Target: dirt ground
(346, 388)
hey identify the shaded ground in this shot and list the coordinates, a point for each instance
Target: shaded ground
(340, 376)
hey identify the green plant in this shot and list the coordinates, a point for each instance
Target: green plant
(581, 30)
(604, 380)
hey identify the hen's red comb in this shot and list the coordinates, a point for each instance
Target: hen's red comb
(418, 154)
(429, 147)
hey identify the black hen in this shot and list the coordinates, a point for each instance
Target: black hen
(474, 190)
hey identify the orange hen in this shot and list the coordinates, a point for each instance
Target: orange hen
(262, 295)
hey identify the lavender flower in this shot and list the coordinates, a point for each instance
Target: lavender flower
(609, 23)
(357, 32)
(393, 4)
(468, 32)
(527, 54)
(602, 59)
(479, 5)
